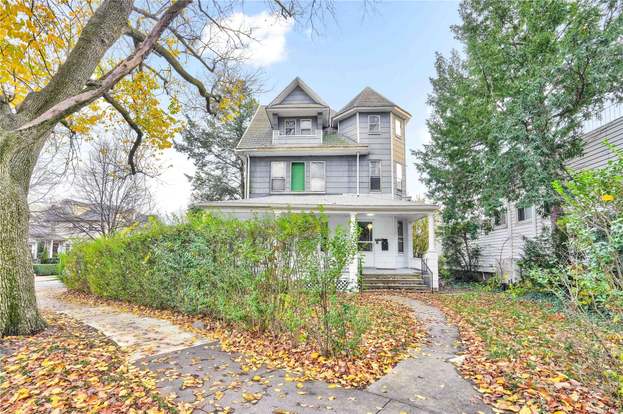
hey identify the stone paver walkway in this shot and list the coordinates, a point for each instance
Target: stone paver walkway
(141, 336)
(197, 371)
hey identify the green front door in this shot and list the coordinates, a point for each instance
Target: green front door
(298, 176)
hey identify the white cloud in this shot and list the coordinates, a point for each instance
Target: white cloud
(266, 40)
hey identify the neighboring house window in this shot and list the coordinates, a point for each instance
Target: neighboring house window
(365, 236)
(524, 213)
(401, 236)
(499, 218)
(290, 127)
(277, 176)
(297, 177)
(398, 127)
(375, 175)
(399, 178)
(306, 127)
(374, 124)
(317, 175)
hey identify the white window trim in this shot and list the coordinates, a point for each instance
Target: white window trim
(379, 124)
(311, 127)
(324, 176)
(370, 176)
(285, 180)
(285, 127)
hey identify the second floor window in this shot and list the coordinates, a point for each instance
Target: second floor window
(317, 176)
(524, 213)
(375, 175)
(277, 176)
(499, 218)
(399, 183)
(398, 127)
(374, 124)
(290, 127)
(306, 127)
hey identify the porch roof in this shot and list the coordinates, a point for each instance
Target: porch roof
(343, 203)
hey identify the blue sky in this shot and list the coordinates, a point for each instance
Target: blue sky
(390, 48)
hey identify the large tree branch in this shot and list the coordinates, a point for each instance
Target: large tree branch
(76, 102)
(128, 119)
(98, 35)
(177, 66)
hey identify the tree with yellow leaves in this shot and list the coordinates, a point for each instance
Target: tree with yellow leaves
(84, 65)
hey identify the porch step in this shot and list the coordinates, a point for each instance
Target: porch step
(394, 281)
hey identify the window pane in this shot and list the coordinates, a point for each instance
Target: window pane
(375, 168)
(375, 183)
(290, 127)
(365, 236)
(398, 127)
(401, 246)
(278, 169)
(400, 228)
(373, 123)
(317, 174)
(278, 184)
(306, 126)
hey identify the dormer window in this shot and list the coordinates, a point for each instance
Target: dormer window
(306, 127)
(290, 126)
(374, 124)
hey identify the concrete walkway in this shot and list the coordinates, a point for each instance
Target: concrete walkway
(141, 336)
(193, 370)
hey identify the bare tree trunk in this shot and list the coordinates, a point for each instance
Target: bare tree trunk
(18, 305)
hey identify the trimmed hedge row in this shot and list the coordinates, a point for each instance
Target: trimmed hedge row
(279, 274)
(46, 269)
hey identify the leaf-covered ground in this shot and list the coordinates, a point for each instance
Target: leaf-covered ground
(70, 367)
(393, 330)
(525, 356)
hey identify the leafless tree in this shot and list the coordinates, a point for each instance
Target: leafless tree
(109, 197)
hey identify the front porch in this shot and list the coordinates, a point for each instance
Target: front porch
(384, 224)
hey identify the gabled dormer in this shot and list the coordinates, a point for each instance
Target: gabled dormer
(298, 116)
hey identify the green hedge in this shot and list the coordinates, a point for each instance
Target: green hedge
(46, 269)
(278, 274)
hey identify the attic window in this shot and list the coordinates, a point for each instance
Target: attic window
(374, 124)
(398, 127)
(306, 127)
(290, 127)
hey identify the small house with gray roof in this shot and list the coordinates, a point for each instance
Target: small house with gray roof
(301, 155)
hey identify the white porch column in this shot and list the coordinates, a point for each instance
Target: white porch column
(353, 267)
(410, 259)
(432, 256)
(51, 249)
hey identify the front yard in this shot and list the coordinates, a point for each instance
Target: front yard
(528, 356)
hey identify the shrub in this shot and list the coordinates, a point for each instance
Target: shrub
(277, 274)
(46, 269)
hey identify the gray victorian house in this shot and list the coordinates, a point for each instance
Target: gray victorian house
(302, 156)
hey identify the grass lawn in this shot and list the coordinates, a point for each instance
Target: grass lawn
(528, 356)
(70, 367)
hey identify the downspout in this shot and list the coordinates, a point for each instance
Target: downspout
(357, 173)
(248, 177)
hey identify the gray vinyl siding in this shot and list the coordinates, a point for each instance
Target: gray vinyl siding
(348, 127)
(379, 148)
(596, 154)
(505, 245)
(297, 96)
(340, 173)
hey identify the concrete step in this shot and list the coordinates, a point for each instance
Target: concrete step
(419, 288)
(393, 279)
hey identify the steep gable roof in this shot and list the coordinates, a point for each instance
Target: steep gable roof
(259, 133)
(369, 98)
(297, 83)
